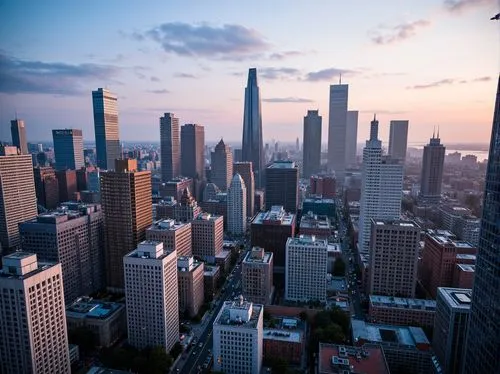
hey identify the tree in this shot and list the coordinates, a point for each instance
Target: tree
(339, 268)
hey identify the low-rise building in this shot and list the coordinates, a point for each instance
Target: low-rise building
(211, 276)
(323, 207)
(257, 276)
(406, 349)
(190, 277)
(312, 224)
(401, 311)
(107, 320)
(340, 359)
(463, 276)
(285, 340)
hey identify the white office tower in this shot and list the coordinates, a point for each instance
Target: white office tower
(238, 337)
(151, 295)
(381, 187)
(33, 334)
(237, 206)
(337, 123)
(306, 268)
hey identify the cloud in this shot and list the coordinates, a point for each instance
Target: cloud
(184, 75)
(272, 73)
(161, 91)
(287, 100)
(397, 33)
(26, 76)
(285, 54)
(154, 79)
(229, 41)
(328, 74)
(442, 82)
(456, 6)
(482, 79)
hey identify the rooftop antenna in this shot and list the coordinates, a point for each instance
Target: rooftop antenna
(374, 116)
(438, 131)
(434, 132)
(340, 78)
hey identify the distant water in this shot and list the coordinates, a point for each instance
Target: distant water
(481, 155)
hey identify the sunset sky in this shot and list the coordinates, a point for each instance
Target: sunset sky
(434, 62)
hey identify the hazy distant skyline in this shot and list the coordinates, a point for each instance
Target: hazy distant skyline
(432, 62)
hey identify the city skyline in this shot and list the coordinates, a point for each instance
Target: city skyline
(214, 50)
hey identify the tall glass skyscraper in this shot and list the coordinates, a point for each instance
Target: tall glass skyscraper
(483, 336)
(337, 132)
(107, 136)
(252, 146)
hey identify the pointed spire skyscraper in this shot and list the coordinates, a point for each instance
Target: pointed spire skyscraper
(252, 146)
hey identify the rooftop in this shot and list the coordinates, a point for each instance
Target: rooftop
(401, 223)
(336, 359)
(89, 308)
(149, 249)
(282, 335)
(456, 298)
(211, 270)
(388, 334)
(258, 256)
(20, 265)
(167, 225)
(239, 313)
(311, 220)
(467, 268)
(445, 237)
(402, 303)
(309, 240)
(187, 263)
(275, 216)
(465, 256)
(282, 165)
(318, 200)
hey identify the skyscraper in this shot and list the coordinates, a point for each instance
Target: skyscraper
(312, 143)
(483, 339)
(107, 135)
(152, 305)
(193, 155)
(17, 196)
(381, 187)
(432, 170)
(126, 203)
(282, 185)
(170, 144)
(246, 171)
(351, 138)
(46, 186)
(237, 206)
(33, 333)
(398, 139)
(252, 146)
(68, 149)
(222, 166)
(18, 132)
(337, 132)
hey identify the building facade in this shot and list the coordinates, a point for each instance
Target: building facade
(193, 155)
(33, 332)
(401, 311)
(170, 147)
(237, 206)
(431, 178)
(190, 277)
(246, 171)
(282, 185)
(18, 133)
(311, 156)
(222, 166)
(107, 135)
(351, 140)
(46, 187)
(173, 235)
(398, 139)
(306, 269)
(151, 292)
(337, 123)
(207, 236)
(257, 276)
(68, 149)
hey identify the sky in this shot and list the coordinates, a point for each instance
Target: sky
(433, 62)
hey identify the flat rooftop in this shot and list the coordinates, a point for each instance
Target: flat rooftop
(402, 303)
(388, 334)
(315, 221)
(401, 223)
(252, 258)
(368, 359)
(211, 270)
(282, 335)
(239, 307)
(318, 200)
(309, 240)
(467, 268)
(86, 307)
(275, 216)
(456, 298)
(282, 165)
(168, 225)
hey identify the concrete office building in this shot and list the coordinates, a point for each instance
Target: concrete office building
(440, 255)
(152, 315)
(252, 149)
(311, 156)
(190, 277)
(68, 149)
(33, 334)
(340, 359)
(175, 187)
(66, 180)
(17, 196)
(173, 235)
(257, 276)
(351, 139)
(337, 122)
(246, 171)
(450, 328)
(431, 178)
(238, 337)
(46, 187)
(73, 236)
(394, 252)
(193, 155)
(312, 224)
(187, 208)
(282, 185)
(398, 139)
(401, 311)
(126, 204)
(381, 190)
(107, 134)
(18, 133)
(106, 320)
(270, 230)
(222, 166)
(170, 147)
(237, 206)
(306, 269)
(207, 236)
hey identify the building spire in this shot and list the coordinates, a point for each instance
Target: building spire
(438, 132)
(434, 132)
(340, 78)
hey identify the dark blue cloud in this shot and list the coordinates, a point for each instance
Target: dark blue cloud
(25, 76)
